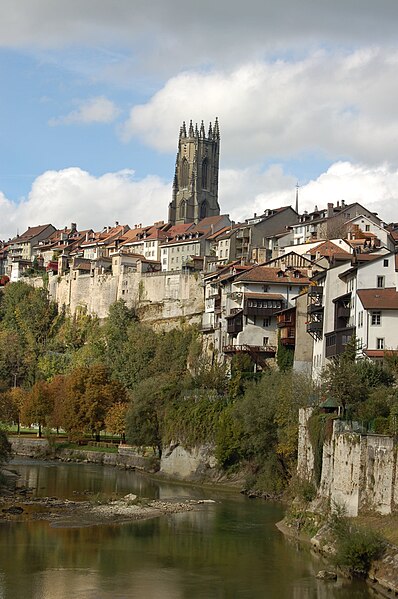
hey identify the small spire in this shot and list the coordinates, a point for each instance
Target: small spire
(202, 130)
(210, 133)
(184, 129)
(196, 130)
(297, 188)
(191, 132)
(216, 131)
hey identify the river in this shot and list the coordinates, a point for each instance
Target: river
(225, 550)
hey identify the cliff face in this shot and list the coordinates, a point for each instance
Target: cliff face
(358, 470)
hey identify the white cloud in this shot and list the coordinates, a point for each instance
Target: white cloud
(93, 110)
(340, 106)
(73, 195)
(252, 190)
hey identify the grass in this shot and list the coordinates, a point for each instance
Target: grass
(87, 447)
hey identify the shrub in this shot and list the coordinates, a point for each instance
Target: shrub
(356, 547)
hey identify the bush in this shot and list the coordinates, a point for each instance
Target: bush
(356, 547)
(5, 447)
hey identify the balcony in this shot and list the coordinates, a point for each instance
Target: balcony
(315, 326)
(235, 323)
(336, 341)
(315, 290)
(314, 308)
(288, 337)
(266, 350)
(262, 306)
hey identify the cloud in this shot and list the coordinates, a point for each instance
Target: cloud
(253, 190)
(93, 110)
(175, 34)
(74, 195)
(339, 106)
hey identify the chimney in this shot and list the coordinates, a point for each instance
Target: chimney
(116, 223)
(330, 209)
(73, 227)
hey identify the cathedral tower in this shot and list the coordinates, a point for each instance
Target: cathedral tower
(195, 186)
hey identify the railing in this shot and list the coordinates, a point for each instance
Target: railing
(261, 349)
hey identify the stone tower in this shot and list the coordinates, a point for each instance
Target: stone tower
(195, 185)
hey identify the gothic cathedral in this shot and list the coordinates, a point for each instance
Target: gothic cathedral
(195, 186)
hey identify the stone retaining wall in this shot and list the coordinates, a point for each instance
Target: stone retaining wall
(126, 457)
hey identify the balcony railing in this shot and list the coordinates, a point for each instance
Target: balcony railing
(261, 349)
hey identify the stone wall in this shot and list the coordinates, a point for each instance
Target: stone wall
(159, 298)
(126, 456)
(359, 471)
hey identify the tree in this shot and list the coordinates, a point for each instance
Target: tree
(115, 420)
(38, 406)
(90, 393)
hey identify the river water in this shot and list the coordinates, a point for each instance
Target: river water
(225, 550)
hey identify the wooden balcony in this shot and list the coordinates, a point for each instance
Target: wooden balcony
(336, 341)
(267, 350)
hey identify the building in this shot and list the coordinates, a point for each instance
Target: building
(330, 222)
(195, 185)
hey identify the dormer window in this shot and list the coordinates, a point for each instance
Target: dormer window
(280, 273)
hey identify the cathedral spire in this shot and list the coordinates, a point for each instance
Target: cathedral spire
(202, 130)
(191, 132)
(183, 130)
(210, 133)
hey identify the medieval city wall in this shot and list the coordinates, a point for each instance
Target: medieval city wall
(358, 471)
(161, 299)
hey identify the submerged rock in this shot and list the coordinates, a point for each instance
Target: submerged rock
(326, 575)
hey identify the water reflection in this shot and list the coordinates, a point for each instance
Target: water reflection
(230, 549)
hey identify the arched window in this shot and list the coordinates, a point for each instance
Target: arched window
(203, 210)
(205, 173)
(184, 173)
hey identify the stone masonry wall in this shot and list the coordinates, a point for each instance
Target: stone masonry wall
(163, 299)
(358, 471)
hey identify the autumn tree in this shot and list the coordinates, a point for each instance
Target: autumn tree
(115, 419)
(90, 393)
(38, 406)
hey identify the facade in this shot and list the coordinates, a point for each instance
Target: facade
(329, 223)
(195, 185)
(354, 297)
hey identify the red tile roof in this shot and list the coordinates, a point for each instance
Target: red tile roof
(265, 274)
(379, 299)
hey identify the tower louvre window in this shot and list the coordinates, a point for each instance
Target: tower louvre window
(184, 173)
(205, 174)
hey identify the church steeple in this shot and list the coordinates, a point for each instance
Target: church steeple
(195, 184)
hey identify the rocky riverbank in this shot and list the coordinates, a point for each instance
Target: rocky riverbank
(19, 506)
(383, 573)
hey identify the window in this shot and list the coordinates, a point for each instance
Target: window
(376, 318)
(184, 173)
(265, 340)
(367, 227)
(380, 281)
(385, 263)
(360, 319)
(204, 173)
(265, 288)
(266, 322)
(379, 343)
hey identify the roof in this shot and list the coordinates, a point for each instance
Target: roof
(379, 299)
(262, 274)
(326, 248)
(30, 233)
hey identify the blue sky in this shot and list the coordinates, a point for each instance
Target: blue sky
(93, 94)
